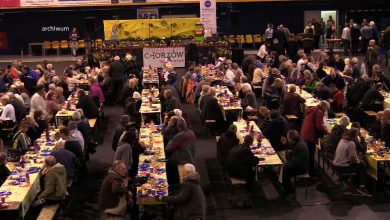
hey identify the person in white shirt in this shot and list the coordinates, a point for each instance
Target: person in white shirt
(301, 62)
(346, 38)
(75, 134)
(37, 101)
(229, 74)
(8, 114)
(269, 33)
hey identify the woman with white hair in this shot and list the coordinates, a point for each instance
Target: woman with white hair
(190, 203)
(335, 135)
(249, 101)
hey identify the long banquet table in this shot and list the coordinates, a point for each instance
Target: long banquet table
(152, 165)
(21, 195)
(265, 152)
(150, 103)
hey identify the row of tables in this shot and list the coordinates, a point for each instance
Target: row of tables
(152, 162)
(17, 191)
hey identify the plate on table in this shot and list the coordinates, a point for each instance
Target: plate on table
(33, 169)
(5, 192)
(161, 193)
(143, 167)
(261, 159)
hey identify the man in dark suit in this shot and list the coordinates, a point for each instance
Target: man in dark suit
(87, 105)
(213, 111)
(116, 72)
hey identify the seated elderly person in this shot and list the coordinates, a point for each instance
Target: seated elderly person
(20, 110)
(386, 127)
(225, 143)
(249, 101)
(54, 183)
(132, 109)
(75, 134)
(274, 94)
(83, 127)
(69, 160)
(276, 130)
(292, 103)
(4, 171)
(346, 159)
(59, 95)
(20, 142)
(321, 91)
(7, 117)
(170, 102)
(335, 136)
(241, 162)
(87, 105)
(213, 111)
(334, 78)
(190, 202)
(113, 192)
(263, 118)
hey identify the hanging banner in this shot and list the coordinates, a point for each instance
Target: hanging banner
(208, 15)
(141, 29)
(155, 56)
(147, 13)
(9, 3)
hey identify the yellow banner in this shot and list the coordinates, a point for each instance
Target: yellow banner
(141, 29)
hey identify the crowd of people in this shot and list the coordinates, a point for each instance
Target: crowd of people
(32, 96)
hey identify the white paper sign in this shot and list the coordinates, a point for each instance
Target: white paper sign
(155, 56)
(208, 15)
(147, 13)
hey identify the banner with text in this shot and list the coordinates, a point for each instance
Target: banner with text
(155, 56)
(140, 29)
(208, 15)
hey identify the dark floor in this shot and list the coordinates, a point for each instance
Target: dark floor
(329, 204)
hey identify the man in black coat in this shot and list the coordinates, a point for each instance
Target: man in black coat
(87, 105)
(355, 35)
(297, 160)
(170, 102)
(213, 111)
(117, 72)
(226, 142)
(334, 78)
(20, 110)
(127, 91)
(276, 130)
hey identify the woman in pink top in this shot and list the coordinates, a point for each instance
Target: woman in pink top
(96, 93)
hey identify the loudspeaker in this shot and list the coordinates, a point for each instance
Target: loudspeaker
(235, 18)
(237, 55)
(90, 25)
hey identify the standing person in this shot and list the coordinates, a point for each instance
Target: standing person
(313, 127)
(190, 202)
(385, 43)
(74, 41)
(113, 192)
(297, 157)
(355, 35)
(225, 143)
(96, 93)
(371, 56)
(180, 150)
(366, 33)
(318, 31)
(37, 101)
(346, 38)
(116, 72)
(269, 32)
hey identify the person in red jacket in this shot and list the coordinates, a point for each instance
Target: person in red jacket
(336, 99)
(313, 127)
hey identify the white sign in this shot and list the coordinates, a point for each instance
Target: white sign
(155, 56)
(208, 15)
(147, 13)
